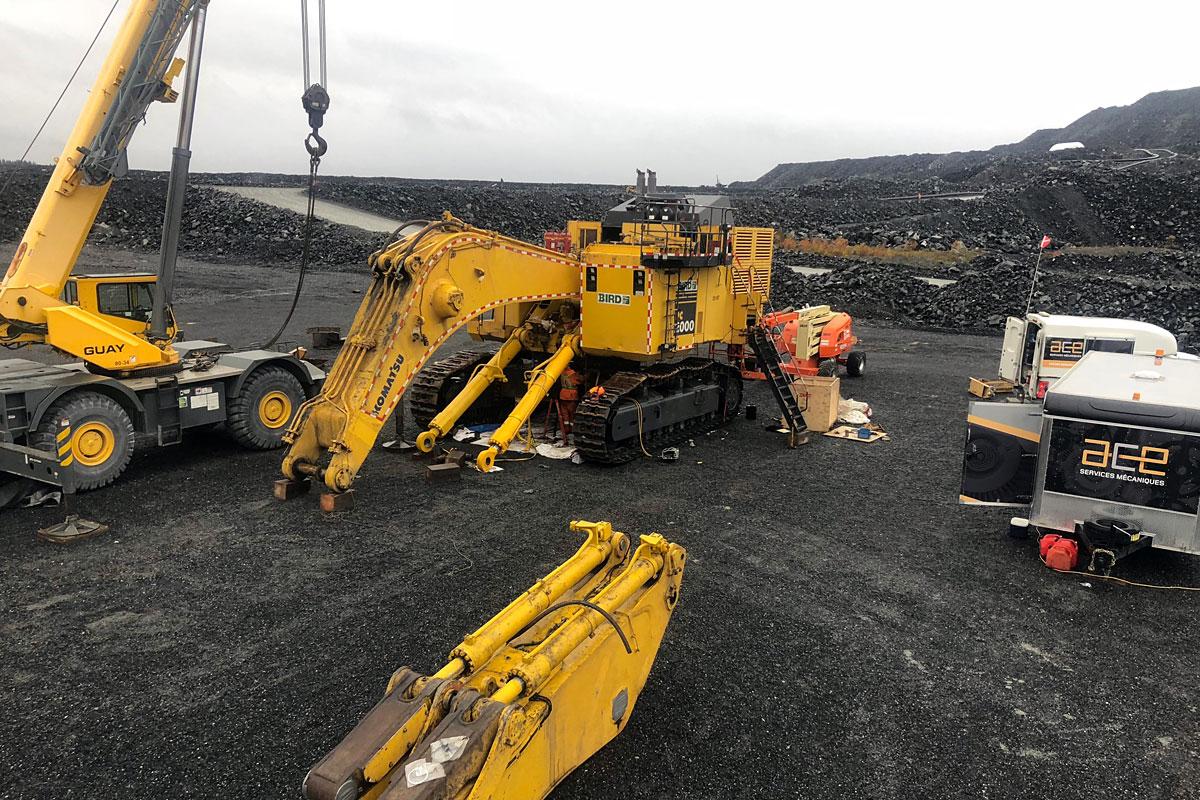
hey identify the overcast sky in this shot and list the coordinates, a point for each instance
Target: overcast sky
(559, 91)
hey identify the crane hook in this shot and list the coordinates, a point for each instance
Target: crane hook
(316, 103)
(315, 145)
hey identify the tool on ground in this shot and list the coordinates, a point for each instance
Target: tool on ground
(1110, 463)
(529, 696)
(625, 309)
(136, 376)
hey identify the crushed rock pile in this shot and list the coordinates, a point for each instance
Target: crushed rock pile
(216, 226)
(523, 211)
(990, 289)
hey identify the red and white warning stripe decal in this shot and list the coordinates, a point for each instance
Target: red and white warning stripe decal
(415, 293)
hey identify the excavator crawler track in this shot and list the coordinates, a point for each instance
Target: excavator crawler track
(595, 416)
(438, 382)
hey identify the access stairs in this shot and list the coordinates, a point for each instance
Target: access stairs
(772, 357)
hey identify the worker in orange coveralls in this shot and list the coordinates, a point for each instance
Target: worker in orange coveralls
(568, 400)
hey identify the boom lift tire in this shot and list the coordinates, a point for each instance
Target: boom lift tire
(261, 413)
(100, 443)
(856, 363)
(828, 368)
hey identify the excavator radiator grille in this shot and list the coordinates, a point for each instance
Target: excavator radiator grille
(747, 280)
(752, 252)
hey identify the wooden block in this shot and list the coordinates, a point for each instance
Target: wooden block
(441, 472)
(342, 501)
(851, 432)
(285, 489)
(986, 389)
(979, 388)
(455, 457)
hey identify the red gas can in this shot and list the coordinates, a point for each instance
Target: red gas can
(1058, 552)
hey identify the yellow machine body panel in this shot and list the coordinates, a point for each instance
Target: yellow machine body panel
(618, 311)
(646, 312)
(582, 233)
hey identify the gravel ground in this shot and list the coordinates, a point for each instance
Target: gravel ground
(846, 630)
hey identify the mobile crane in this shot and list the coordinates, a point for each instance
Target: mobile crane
(632, 305)
(77, 424)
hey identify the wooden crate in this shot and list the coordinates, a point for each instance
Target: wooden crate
(818, 398)
(990, 388)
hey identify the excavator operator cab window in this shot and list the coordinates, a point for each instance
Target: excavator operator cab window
(71, 293)
(128, 300)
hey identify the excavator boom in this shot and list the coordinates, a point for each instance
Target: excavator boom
(436, 278)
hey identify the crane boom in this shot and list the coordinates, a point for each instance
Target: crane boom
(138, 71)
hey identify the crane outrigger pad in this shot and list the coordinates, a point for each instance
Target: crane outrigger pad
(529, 696)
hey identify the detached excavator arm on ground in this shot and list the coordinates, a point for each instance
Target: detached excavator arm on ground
(429, 283)
(528, 697)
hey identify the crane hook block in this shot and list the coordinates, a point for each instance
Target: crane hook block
(316, 103)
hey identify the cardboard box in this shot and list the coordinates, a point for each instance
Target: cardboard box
(818, 398)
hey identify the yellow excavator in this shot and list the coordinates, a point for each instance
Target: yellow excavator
(554, 676)
(637, 303)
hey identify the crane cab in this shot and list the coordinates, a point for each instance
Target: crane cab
(123, 299)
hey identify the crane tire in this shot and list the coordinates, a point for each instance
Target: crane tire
(97, 438)
(260, 414)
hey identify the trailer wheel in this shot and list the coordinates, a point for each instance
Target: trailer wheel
(96, 438)
(259, 416)
(856, 363)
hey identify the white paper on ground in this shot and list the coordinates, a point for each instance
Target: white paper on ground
(558, 452)
(854, 412)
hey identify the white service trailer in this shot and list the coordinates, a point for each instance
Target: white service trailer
(1111, 460)
(1040, 348)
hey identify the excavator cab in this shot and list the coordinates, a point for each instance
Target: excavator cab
(123, 299)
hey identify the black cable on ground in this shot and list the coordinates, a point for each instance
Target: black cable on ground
(61, 95)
